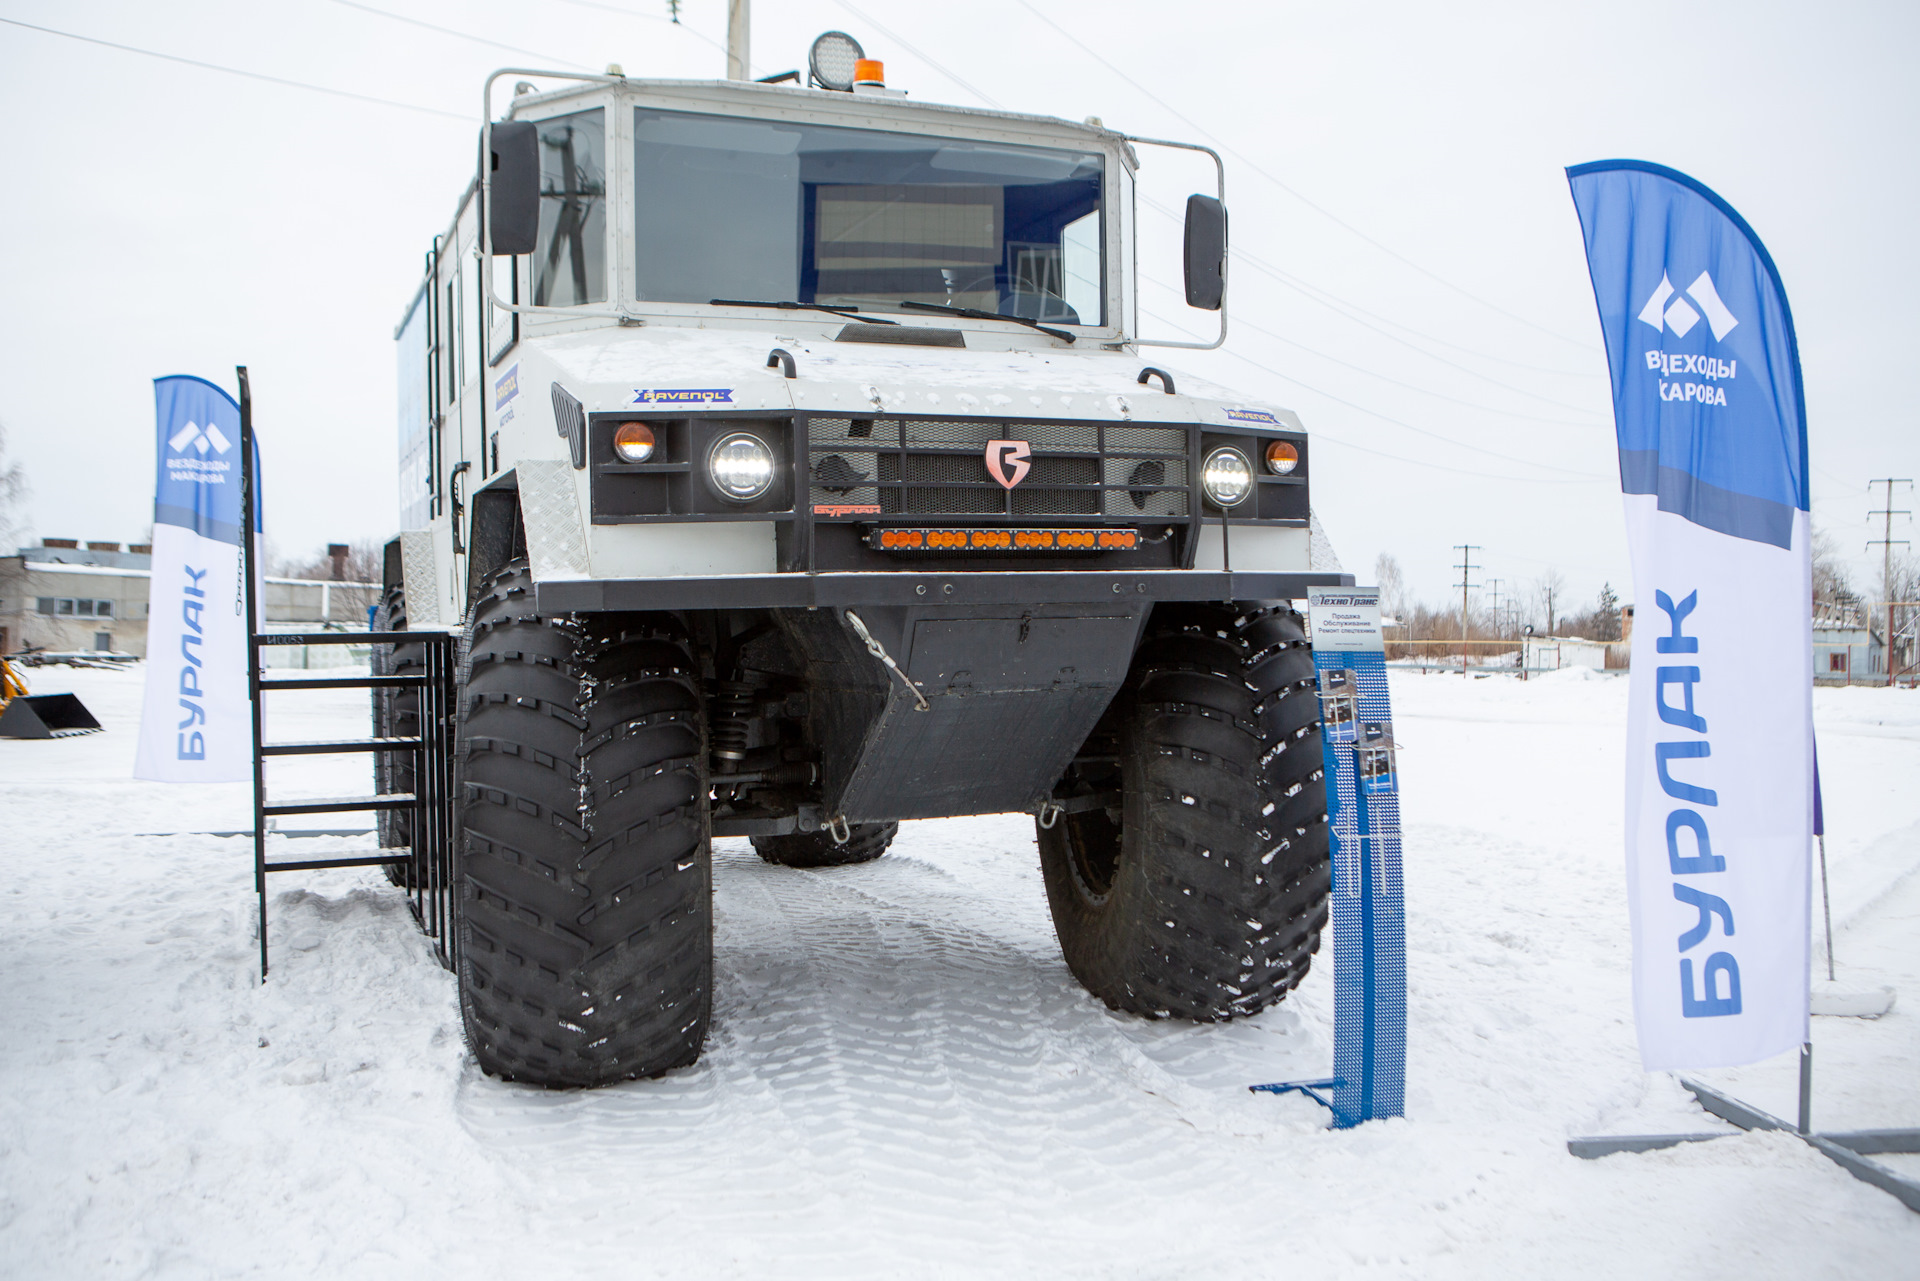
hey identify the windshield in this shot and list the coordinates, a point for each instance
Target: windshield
(747, 209)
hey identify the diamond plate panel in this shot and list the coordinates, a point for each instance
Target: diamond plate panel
(550, 507)
(419, 577)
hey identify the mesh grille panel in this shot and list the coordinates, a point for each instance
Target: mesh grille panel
(919, 468)
(975, 434)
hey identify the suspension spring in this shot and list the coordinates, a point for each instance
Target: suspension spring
(731, 715)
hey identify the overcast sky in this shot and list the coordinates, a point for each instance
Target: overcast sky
(1407, 267)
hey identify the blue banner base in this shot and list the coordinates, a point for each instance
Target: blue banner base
(1341, 1121)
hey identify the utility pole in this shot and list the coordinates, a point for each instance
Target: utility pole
(1466, 568)
(1886, 543)
(738, 22)
(1493, 590)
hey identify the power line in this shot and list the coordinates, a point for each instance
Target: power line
(236, 71)
(459, 35)
(1314, 293)
(1323, 212)
(1466, 568)
(1243, 323)
(1397, 422)
(1284, 279)
(895, 37)
(625, 12)
(1887, 542)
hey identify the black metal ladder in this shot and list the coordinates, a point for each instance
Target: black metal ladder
(429, 857)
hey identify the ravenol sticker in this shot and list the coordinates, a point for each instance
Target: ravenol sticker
(684, 396)
(1253, 416)
(506, 387)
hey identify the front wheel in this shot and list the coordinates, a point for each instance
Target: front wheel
(1191, 877)
(585, 903)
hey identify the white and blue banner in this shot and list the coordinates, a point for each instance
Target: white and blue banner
(196, 724)
(1712, 434)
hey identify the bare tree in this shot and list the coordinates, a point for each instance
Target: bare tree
(356, 577)
(1393, 586)
(1832, 593)
(1548, 590)
(13, 496)
(1606, 614)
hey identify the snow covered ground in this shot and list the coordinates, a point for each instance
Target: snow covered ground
(903, 1079)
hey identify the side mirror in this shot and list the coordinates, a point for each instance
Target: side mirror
(1206, 259)
(513, 204)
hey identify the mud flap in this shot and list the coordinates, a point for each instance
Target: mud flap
(1011, 694)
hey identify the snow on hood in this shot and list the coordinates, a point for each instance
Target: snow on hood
(609, 368)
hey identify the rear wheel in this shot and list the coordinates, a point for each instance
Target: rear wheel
(396, 714)
(1192, 879)
(585, 892)
(865, 842)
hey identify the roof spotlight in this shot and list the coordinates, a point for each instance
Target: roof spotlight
(832, 61)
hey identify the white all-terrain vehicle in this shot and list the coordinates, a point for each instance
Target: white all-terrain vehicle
(786, 458)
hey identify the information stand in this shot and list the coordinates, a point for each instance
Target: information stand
(1368, 906)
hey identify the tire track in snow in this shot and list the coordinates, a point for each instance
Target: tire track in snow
(901, 1045)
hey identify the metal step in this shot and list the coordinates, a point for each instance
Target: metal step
(327, 747)
(344, 682)
(383, 858)
(342, 804)
(335, 638)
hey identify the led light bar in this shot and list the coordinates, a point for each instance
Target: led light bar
(1003, 540)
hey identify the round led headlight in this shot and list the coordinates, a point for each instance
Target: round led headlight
(1227, 477)
(741, 467)
(832, 60)
(633, 442)
(1282, 457)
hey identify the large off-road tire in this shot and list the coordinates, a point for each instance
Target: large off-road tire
(865, 843)
(396, 714)
(1202, 894)
(584, 893)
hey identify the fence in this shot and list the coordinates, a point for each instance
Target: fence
(1508, 654)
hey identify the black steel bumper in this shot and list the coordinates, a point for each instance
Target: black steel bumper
(803, 591)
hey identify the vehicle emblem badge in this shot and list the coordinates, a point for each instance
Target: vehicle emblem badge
(1004, 456)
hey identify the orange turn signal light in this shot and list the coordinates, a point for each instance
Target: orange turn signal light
(1282, 457)
(633, 442)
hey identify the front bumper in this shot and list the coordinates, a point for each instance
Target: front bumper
(905, 587)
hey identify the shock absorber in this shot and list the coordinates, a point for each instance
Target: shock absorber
(728, 720)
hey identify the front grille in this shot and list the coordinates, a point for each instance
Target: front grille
(889, 466)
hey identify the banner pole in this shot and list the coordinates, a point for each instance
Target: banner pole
(1826, 903)
(248, 551)
(1806, 1087)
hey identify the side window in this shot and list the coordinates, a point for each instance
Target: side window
(570, 256)
(1080, 268)
(450, 341)
(472, 313)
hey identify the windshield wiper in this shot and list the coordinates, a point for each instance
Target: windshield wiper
(842, 312)
(974, 313)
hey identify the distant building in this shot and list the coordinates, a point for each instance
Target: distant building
(1553, 652)
(65, 596)
(1846, 648)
